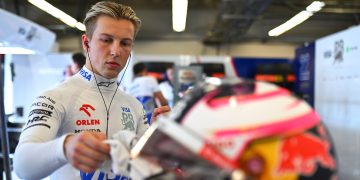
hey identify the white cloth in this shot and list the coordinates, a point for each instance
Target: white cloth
(120, 158)
(122, 163)
(141, 168)
(120, 145)
(168, 92)
(72, 107)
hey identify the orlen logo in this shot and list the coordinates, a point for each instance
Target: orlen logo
(85, 108)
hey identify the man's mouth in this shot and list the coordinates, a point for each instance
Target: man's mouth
(113, 64)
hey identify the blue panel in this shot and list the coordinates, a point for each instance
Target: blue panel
(304, 71)
(246, 67)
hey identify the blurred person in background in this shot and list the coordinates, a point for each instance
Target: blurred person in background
(79, 61)
(167, 86)
(146, 90)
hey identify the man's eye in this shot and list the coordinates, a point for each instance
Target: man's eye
(106, 40)
(126, 43)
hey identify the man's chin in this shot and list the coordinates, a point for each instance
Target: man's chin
(111, 74)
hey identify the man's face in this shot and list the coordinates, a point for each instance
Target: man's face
(170, 74)
(75, 68)
(110, 46)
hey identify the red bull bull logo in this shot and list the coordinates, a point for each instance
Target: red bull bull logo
(303, 153)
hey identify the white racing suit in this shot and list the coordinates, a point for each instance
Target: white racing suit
(72, 107)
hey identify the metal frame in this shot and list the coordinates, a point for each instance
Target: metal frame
(3, 124)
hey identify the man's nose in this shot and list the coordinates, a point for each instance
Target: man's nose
(115, 50)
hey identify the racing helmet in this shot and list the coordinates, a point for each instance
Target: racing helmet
(240, 129)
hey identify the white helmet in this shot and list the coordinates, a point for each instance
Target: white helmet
(240, 129)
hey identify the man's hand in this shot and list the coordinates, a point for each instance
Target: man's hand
(86, 151)
(158, 111)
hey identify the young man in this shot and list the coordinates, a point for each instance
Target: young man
(67, 125)
(78, 61)
(167, 87)
(146, 89)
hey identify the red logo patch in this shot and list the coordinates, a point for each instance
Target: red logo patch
(85, 108)
(302, 153)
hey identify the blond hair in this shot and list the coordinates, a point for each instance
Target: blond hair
(111, 9)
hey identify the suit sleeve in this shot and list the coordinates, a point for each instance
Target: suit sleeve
(40, 151)
(143, 124)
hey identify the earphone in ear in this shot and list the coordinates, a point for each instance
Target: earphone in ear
(87, 44)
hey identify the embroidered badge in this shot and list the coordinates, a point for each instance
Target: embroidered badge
(128, 121)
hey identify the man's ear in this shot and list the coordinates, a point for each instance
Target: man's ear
(85, 42)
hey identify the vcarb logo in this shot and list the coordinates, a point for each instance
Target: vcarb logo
(85, 108)
(85, 74)
(43, 105)
(128, 121)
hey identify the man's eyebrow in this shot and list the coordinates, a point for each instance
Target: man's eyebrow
(104, 34)
(111, 36)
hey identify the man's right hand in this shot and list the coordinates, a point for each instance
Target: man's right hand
(86, 151)
(158, 111)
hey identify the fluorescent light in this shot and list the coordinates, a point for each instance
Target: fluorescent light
(15, 50)
(179, 12)
(294, 21)
(80, 26)
(315, 6)
(47, 7)
(297, 19)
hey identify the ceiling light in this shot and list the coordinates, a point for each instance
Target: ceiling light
(179, 12)
(297, 19)
(315, 6)
(15, 50)
(45, 6)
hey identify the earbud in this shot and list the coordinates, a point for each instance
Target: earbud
(87, 44)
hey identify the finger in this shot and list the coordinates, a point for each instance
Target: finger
(161, 110)
(81, 149)
(165, 109)
(84, 167)
(95, 142)
(88, 161)
(99, 136)
(105, 148)
(94, 154)
(158, 111)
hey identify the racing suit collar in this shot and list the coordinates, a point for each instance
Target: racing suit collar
(102, 82)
